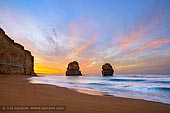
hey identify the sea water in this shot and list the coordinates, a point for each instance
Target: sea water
(147, 87)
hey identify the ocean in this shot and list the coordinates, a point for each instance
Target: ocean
(147, 87)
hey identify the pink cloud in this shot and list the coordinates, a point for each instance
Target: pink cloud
(151, 45)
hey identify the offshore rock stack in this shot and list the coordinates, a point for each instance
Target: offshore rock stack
(107, 70)
(14, 59)
(73, 69)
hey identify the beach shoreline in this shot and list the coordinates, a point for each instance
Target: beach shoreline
(15, 90)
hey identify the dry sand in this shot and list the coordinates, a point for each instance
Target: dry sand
(16, 91)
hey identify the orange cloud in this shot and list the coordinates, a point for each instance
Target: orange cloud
(86, 44)
(123, 67)
(78, 29)
(151, 45)
(75, 34)
(124, 44)
(129, 40)
(141, 30)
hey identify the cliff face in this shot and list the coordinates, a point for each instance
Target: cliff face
(13, 58)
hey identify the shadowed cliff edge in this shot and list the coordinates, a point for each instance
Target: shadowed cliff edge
(14, 59)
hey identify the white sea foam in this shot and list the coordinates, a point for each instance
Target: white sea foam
(148, 87)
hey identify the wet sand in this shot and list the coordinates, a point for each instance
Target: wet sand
(15, 90)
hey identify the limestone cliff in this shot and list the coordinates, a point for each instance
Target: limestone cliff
(14, 59)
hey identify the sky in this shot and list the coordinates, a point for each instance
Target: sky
(132, 35)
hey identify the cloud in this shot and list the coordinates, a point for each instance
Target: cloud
(87, 44)
(145, 29)
(152, 45)
(56, 40)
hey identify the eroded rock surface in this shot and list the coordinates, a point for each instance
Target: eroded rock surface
(107, 70)
(14, 59)
(73, 69)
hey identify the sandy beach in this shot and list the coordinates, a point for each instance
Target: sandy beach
(15, 90)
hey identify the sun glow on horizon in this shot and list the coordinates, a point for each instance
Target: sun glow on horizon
(46, 70)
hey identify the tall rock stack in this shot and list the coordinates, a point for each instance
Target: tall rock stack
(73, 69)
(13, 58)
(107, 70)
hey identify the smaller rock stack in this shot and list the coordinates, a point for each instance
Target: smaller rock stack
(107, 70)
(73, 69)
